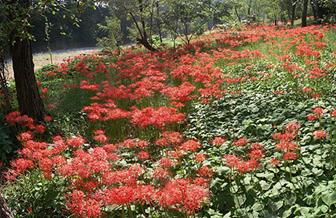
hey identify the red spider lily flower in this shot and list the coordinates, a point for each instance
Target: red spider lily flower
(316, 95)
(312, 117)
(45, 90)
(22, 120)
(201, 181)
(232, 160)
(83, 207)
(292, 127)
(25, 136)
(160, 173)
(145, 194)
(143, 155)
(190, 145)
(12, 117)
(286, 146)
(205, 171)
(180, 93)
(257, 146)
(284, 137)
(18, 167)
(169, 138)
(316, 73)
(274, 161)
(307, 89)
(320, 134)
(318, 111)
(218, 141)
(200, 157)
(247, 166)
(195, 195)
(157, 117)
(76, 141)
(182, 194)
(47, 118)
(40, 128)
(256, 154)
(240, 142)
(120, 196)
(135, 143)
(100, 138)
(166, 162)
(99, 132)
(290, 156)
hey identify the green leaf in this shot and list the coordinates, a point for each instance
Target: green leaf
(329, 199)
(264, 185)
(257, 207)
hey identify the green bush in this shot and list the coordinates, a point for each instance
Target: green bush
(33, 196)
(7, 141)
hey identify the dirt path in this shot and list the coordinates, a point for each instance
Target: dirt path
(42, 59)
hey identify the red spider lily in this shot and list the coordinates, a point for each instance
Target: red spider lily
(256, 154)
(241, 165)
(160, 173)
(240, 142)
(159, 117)
(312, 117)
(180, 93)
(292, 127)
(190, 145)
(75, 141)
(200, 157)
(143, 155)
(169, 138)
(320, 134)
(290, 156)
(286, 146)
(25, 136)
(166, 162)
(218, 141)
(307, 89)
(284, 137)
(318, 111)
(274, 161)
(47, 118)
(135, 143)
(183, 195)
(205, 171)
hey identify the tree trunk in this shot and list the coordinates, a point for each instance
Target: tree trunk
(28, 96)
(249, 8)
(143, 39)
(146, 44)
(4, 210)
(304, 13)
(158, 22)
(293, 13)
(237, 14)
(313, 6)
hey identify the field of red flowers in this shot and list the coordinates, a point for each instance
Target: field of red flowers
(239, 123)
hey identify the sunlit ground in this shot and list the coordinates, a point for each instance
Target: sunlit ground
(43, 58)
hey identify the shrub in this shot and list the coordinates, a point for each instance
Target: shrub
(32, 195)
(7, 141)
